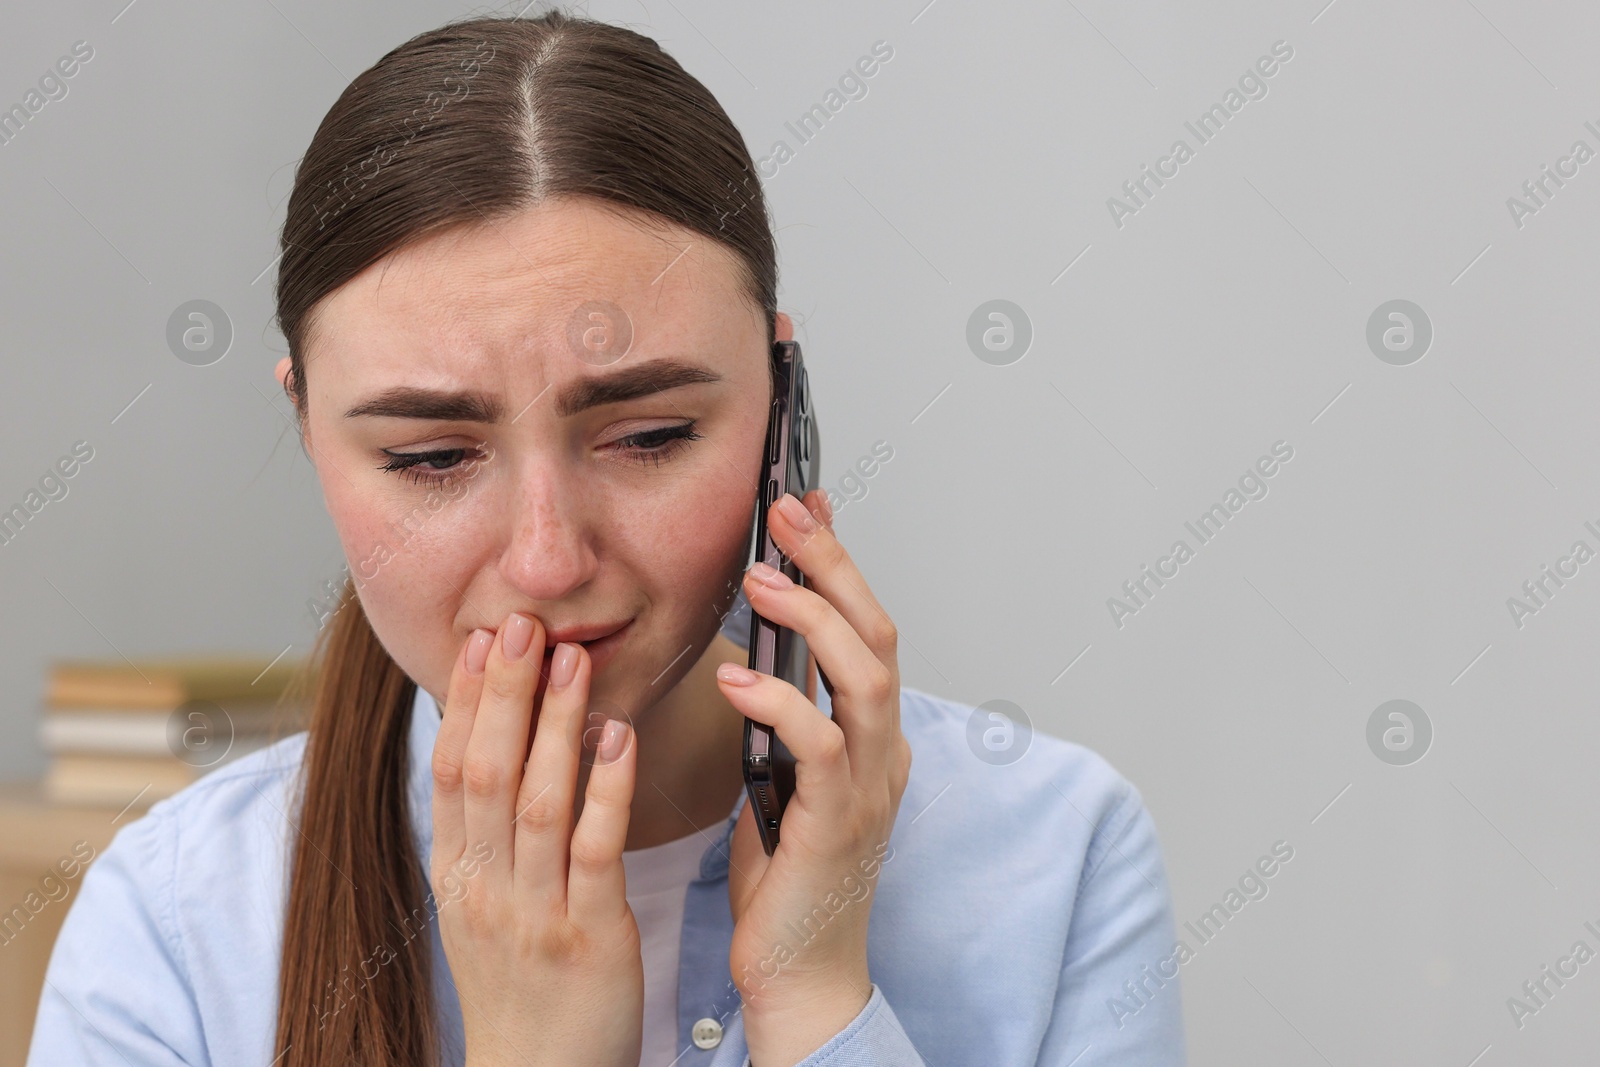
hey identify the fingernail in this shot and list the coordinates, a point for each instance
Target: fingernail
(612, 741)
(734, 674)
(478, 649)
(827, 510)
(796, 513)
(770, 576)
(563, 665)
(517, 635)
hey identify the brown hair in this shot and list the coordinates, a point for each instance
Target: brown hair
(462, 125)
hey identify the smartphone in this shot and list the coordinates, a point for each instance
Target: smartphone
(789, 466)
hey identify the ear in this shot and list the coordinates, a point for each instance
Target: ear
(282, 374)
(783, 329)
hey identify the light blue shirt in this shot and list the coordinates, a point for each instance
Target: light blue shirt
(1021, 916)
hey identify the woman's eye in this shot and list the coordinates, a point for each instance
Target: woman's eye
(435, 466)
(654, 446)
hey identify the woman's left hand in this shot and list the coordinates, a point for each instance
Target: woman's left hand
(799, 952)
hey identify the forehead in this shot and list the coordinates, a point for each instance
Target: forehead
(479, 295)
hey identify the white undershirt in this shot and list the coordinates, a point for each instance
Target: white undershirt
(658, 883)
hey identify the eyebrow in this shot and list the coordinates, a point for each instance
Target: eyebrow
(641, 379)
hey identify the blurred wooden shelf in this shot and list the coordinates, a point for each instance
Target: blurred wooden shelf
(34, 835)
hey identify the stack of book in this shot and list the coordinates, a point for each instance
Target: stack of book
(124, 733)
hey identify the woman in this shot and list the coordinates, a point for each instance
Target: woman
(529, 288)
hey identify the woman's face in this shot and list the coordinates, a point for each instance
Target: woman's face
(556, 475)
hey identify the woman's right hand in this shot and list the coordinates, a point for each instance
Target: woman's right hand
(542, 944)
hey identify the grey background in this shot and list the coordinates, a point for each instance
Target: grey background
(1228, 314)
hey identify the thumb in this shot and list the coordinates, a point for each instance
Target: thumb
(747, 863)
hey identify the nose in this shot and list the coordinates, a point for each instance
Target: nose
(549, 554)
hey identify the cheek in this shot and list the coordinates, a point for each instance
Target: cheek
(392, 539)
(685, 545)
(409, 553)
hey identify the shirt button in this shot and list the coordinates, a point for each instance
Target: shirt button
(707, 1033)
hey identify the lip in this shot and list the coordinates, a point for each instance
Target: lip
(601, 641)
(582, 635)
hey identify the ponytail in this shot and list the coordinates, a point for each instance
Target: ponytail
(355, 985)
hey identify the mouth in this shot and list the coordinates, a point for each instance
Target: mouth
(600, 648)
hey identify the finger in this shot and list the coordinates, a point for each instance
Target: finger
(822, 759)
(864, 695)
(544, 806)
(492, 767)
(455, 727)
(819, 505)
(597, 890)
(829, 570)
